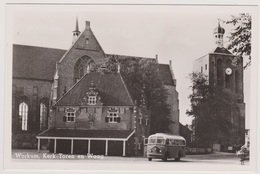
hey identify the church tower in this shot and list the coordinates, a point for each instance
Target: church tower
(225, 71)
(76, 32)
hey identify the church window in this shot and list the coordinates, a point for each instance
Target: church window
(219, 72)
(81, 70)
(43, 116)
(23, 116)
(70, 115)
(113, 116)
(83, 66)
(227, 80)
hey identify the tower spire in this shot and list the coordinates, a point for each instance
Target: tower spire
(76, 32)
(219, 33)
(77, 25)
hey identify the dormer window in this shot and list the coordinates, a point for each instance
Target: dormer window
(91, 97)
(92, 100)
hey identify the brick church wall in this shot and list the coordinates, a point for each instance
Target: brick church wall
(35, 91)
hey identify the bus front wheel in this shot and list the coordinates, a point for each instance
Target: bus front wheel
(165, 156)
(149, 159)
(179, 157)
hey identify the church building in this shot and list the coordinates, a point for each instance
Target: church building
(60, 98)
(225, 70)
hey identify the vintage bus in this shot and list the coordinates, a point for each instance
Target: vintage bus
(164, 146)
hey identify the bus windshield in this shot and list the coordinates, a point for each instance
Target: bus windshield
(156, 140)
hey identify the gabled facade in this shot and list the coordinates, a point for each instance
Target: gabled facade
(97, 116)
(78, 60)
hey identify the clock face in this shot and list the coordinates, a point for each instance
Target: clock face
(228, 71)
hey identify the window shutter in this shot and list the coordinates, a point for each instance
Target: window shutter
(118, 119)
(106, 119)
(64, 119)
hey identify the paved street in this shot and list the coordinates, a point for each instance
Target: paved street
(215, 158)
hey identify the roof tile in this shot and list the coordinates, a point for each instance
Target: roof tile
(81, 133)
(110, 87)
(35, 62)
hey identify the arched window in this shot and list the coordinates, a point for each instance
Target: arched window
(83, 66)
(236, 81)
(90, 66)
(219, 73)
(23, 116)
(81, 70)
(43, 116)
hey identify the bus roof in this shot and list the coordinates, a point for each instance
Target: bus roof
(165, 135)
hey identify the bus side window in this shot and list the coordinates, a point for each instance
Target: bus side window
(171, 142)
(167, 141)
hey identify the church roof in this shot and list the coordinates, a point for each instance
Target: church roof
(165, 74)
(39, 63)
(35, 62)
(219, 29)
(110, 86)
(221, 50)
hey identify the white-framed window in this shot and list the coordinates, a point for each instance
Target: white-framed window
(140, 120)
(43, 116)
(92, 99)
(70, 115)
(23, 115)
(113, 116)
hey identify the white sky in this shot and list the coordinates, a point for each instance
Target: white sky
(178, 33)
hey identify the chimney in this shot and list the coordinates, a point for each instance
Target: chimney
(87, 25)
(170, 62)
(156, 58)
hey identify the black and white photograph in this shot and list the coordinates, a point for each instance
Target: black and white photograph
(131, 87)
